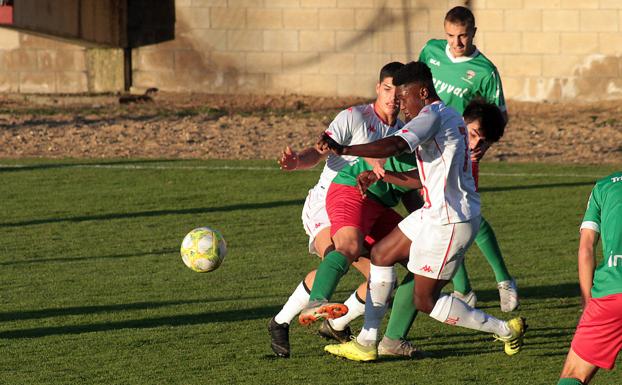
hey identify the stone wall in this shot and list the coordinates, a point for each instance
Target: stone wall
(545, 50)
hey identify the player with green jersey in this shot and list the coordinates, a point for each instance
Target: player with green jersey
(461, 73)
(598, 339)
(458, 80)
(385, 193)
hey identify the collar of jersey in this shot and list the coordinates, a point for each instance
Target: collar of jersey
(460, 59)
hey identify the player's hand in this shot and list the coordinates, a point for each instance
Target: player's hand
(289, 159)
(327, 143)
(366, 179)
(377, 166)
(477, 152)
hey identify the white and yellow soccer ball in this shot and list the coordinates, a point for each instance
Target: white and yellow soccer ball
(203, 249)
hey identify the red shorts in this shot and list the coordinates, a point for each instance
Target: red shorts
(598, 338)
(347, 207)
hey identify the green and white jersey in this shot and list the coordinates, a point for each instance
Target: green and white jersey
(384, 193)
(604, 215)
(458, 80)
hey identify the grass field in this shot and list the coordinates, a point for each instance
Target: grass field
(94, 291)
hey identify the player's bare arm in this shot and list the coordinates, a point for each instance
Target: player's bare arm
(291, 160)
(383, 148)
(587, 263)
(408, 179)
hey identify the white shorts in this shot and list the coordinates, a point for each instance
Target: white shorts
(437, 250)
(314, 215)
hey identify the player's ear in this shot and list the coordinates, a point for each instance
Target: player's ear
(424, 93)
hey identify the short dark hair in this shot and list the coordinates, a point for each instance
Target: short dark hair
(460, 15)
(414, 72)
(491, 120)
(389, 70)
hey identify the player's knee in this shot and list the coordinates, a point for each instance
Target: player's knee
(351, 249)
(380, 256)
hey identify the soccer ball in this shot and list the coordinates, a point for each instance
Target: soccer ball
(203, 249)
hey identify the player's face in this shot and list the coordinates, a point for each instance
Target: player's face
(386, 100)
(460, 39)
(477, 141)
(411, 99)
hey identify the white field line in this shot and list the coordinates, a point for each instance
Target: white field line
(246, 168)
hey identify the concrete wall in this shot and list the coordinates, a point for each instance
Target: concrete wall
(544, 49)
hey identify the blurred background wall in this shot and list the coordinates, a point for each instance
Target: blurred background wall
(544, 50)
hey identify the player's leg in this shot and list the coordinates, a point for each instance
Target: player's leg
(338, 328)
(278, 327)
(434, 261)
(391, 249)
(486, 240)
(576, 370)
(403, 313)
(317, 226)
(349, 222)
(598, 339)
(462, 286)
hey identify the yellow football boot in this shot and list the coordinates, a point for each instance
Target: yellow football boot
(353, 351)
(514, 342)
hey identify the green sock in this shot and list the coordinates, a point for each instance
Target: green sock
(403, 312)
(461, 280)
(487, 243)
(327, 276)
(569, 381)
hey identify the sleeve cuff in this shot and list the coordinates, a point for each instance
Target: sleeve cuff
(590, 225)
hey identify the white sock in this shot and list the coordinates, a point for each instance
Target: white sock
(356, 308)
(453, 311)
(381, 280)
(294, 305)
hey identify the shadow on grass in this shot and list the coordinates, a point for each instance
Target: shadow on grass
(170, 321)
(562, 290)
(535, 186)
(45, 166)
(92, 258)
(157, 213)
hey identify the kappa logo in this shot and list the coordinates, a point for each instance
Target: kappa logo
(372, 128)
(452, 321)
(435, 62)
(427, 269)
(404, 131)
(318, 225)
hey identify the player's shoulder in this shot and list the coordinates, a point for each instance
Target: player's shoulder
(484, 62)
(438, 44)
(615, 178)
(354, 114)
(449, 115)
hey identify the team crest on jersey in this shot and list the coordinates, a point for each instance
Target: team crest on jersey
(435, 62)
(468, 77)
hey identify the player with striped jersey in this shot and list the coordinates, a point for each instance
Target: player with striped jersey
(434, 238)
(355, 125)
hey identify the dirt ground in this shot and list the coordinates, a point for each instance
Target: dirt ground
(258, 127)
